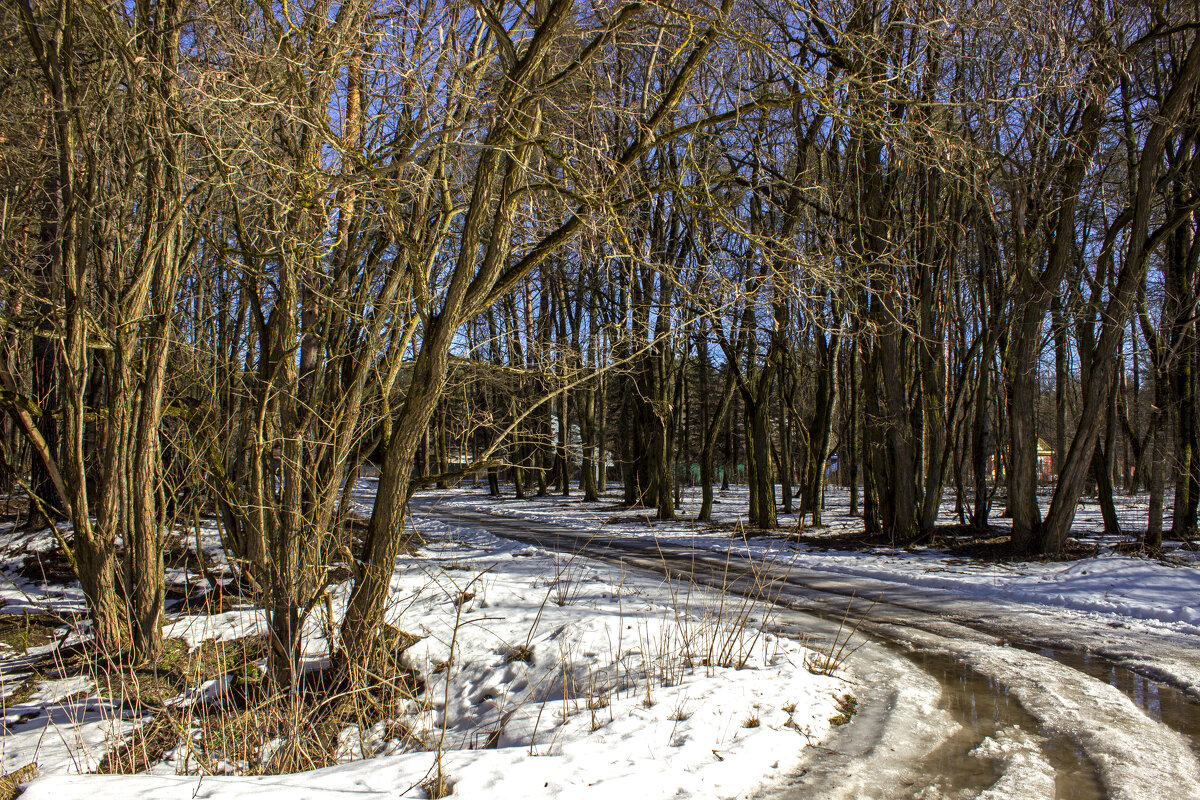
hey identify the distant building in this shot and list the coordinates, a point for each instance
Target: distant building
(1045, 459)
(1045, 463)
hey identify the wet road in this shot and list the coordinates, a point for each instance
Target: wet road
(958, 697)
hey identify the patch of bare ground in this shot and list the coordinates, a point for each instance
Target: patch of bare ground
(47, 566)
(14, 508)
(964, 541)
(21, 632)
(991, 545)
(1137, 547)
(998, 548)
(207, 599)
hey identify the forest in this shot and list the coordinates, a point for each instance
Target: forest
(933, 251)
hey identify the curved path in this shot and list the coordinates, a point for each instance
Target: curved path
(958, 697)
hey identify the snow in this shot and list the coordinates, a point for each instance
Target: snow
(1026, 773)
(195, 629)
(1116, 587)
(546, 676)
(19, 594)
(1128, 752)
(64, 727)
(549, 675)
(900, 722)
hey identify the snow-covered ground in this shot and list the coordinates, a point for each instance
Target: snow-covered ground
(546, 676)
(551, 675)
(1145, 607)
(1153, 591)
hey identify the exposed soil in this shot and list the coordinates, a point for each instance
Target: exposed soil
(47, 566)
(993, 545)
(21, 632)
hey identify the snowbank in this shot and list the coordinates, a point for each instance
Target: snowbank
(547, 676)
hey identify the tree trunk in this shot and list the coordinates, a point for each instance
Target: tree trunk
(711, 431)
(763, 489)
(1021, 469)
(854, 445)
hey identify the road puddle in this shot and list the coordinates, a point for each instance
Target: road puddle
(984, 709)
(1159, 701)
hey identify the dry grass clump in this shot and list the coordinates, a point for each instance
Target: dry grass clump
(213, 711)
(847, 704)
(11, 781)
(438, 786)
(521, 652)
(829, 660)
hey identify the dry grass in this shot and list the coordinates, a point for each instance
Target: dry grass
(521, 652)
(829, 660)
(438, 785)
(213, 712)
(10, 782)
